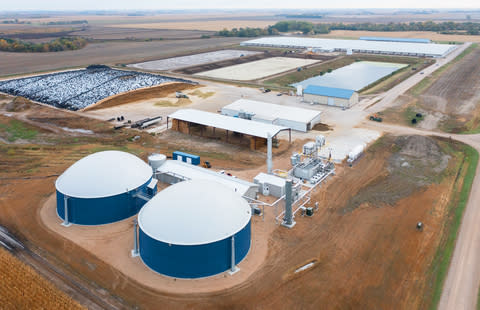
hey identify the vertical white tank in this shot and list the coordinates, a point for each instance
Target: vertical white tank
(156, 160)
(299, 90)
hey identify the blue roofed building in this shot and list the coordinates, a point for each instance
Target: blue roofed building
(339, 97)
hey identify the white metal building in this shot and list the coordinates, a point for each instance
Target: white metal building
(356, 46)
(270, 184)
(174, 171)
(292, 117)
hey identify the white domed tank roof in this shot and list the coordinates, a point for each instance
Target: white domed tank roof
(194, 212)
(103, 174)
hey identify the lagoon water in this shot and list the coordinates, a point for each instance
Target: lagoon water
(354, 76)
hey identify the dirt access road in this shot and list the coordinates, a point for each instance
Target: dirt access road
(461, 285)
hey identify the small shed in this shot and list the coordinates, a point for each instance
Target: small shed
(339, 97)
(270, 184)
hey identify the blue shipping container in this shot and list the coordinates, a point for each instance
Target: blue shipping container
(186, 158)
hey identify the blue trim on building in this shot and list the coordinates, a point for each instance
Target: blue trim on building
(193, 261)
(98, 211)
(387, 39)
(329, 91)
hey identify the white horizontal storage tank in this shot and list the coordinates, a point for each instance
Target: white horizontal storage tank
(356, 152)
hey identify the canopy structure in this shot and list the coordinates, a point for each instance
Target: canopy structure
(183, 120)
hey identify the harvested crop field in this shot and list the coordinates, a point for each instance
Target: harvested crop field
(448, 99)
(21, 287)
(79, 89)
(98, 32)
(258, 69)
(192, 60)
(456, 95)
(207, 25)
(106, 53)
(403, 34)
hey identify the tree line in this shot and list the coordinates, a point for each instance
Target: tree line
(57, 45)
(323, 28)
(15, 21)
(67, 22)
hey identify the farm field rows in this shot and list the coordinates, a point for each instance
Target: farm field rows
(21, 287)
(106, 53)
(206, 25)
(98, 32)
(449, 98)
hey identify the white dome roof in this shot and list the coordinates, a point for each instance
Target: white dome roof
(194, 212)
(103, 174)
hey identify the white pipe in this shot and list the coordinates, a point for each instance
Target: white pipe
(66, 222)
(269, 154)
(232, 262)
(135, 251)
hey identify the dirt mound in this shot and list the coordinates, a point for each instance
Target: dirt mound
(322, 127)
(18, 104)
(414, 163)
(420, 154)
(418, 147)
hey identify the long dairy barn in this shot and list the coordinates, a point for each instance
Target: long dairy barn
(356, 46)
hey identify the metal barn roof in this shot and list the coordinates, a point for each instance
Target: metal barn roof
(274, 111)
(388, 39)
(359, 46)
(192, 172)
(329, 91)
(104, 174)
(247, 127)
(194, 212)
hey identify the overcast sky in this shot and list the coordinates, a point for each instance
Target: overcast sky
(212, 4)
